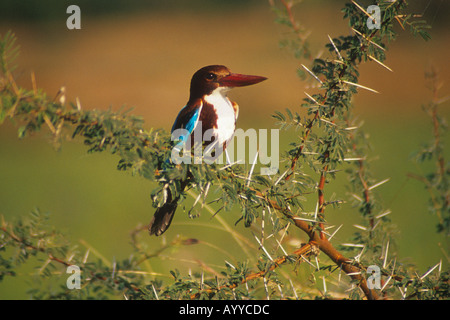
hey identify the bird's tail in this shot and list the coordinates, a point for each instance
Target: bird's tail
(163, 217)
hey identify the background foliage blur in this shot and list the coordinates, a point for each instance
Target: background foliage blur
(143, 55)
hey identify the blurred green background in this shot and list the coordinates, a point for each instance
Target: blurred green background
(142, 55)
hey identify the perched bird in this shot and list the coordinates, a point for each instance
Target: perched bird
(208, 105)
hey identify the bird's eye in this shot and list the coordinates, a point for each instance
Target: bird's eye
(210, 76)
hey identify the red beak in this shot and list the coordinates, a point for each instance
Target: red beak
(240, 80)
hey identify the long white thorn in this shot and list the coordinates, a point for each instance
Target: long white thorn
(360, 86)
(379, 184)
(154, 291)
(335, 231)
(293, 289)
(386, 255)
(374, 43)
(383, 214)
(316, 210)
(429, 271)
(361, 8)
(385, 284)
(251, 170)
(306, 260)
(356, 245)
(281, 177)
(360, 227)
(312, 74)
(264, 249)
(305, 219)
(380, 63)
(231, 164)
(335, 48)
(310, 97)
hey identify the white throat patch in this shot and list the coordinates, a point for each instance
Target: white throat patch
(226, 120)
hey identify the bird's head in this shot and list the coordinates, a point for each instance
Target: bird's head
(209, 78)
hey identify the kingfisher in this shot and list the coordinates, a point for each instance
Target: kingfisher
(209, 106)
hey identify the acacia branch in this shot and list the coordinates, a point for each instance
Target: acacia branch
(326, 247)
(29, 246)
(26, 244)
(303, 252)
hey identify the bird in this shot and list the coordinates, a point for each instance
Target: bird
(207, 110)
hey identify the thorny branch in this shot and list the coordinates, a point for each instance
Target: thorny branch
(54, 117)
(303, 252)
(319, 237)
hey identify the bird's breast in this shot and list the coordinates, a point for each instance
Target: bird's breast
(225, 119)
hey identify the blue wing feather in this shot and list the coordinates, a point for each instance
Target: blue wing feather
(188, 119)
